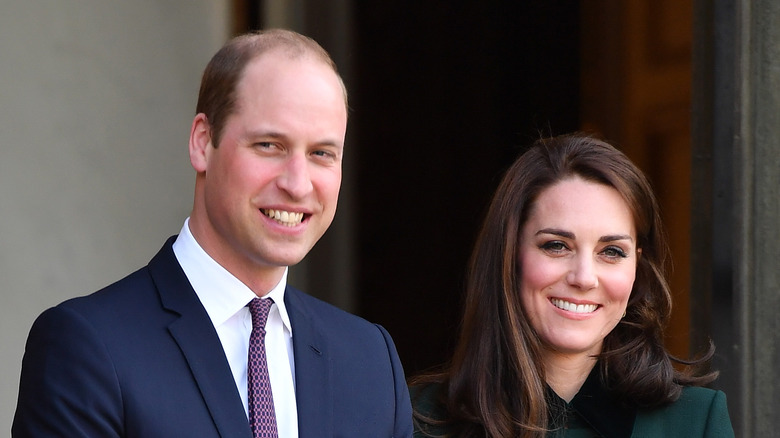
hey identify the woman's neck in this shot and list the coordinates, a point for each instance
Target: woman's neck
(566, 373)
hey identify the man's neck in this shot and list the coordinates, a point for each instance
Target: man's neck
(260, 279)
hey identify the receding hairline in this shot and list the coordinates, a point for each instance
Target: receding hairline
(287, 43)
(217, 97)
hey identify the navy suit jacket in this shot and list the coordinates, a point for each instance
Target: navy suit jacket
(141, 358)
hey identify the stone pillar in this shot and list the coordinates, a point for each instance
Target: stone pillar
(736, 191)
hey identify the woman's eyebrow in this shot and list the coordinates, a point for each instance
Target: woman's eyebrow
(556, 232)
(569, 235)
(614, 237)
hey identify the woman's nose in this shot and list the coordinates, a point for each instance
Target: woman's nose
(583, 273)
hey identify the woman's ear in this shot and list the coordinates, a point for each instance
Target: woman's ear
(200, 142)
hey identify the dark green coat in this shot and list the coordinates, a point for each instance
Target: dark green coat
(699, 412)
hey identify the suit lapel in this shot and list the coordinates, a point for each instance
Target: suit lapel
(200, 345)
(312, 374)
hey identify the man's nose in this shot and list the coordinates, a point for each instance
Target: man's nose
(295, 178)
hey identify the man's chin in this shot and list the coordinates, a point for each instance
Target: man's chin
(290, 258)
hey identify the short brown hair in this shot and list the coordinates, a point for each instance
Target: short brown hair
(217, 96)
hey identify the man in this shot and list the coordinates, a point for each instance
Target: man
(163, 352)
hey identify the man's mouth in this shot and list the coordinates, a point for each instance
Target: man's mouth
(575, 308)
(286, 218)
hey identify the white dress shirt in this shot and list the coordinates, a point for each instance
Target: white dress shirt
(225, 298)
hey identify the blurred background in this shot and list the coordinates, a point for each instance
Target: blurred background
(96, 100)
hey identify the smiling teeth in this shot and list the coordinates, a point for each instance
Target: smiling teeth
(285, 218)
(571, 307)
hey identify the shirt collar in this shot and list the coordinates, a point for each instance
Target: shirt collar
(600, 409)
(221, 293)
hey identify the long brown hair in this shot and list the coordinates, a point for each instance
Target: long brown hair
(494, 385)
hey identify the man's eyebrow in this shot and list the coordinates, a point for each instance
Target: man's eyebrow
(279, 136)
(272, 134)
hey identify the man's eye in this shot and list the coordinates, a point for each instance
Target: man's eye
(325, 155)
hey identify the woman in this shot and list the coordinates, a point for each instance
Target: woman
(566, 304)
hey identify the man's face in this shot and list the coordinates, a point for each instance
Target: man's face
(269, 189)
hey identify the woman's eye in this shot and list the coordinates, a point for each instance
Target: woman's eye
(555, 246)
(614, 252)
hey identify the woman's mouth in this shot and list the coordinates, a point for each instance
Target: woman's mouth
(572, 307)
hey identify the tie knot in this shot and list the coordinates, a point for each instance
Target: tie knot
(259, 309)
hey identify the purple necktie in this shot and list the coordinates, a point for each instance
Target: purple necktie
(262, 417)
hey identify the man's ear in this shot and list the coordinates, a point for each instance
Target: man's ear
(200, 142)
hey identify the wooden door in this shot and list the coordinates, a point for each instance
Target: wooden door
(636, 93)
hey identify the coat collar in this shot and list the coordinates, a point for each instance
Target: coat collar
(198, 341)
(312, 373)
(595, 405)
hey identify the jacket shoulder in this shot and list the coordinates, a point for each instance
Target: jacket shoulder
(323, 312)
(699, 412)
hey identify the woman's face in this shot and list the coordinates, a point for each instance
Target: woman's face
(578, 259)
